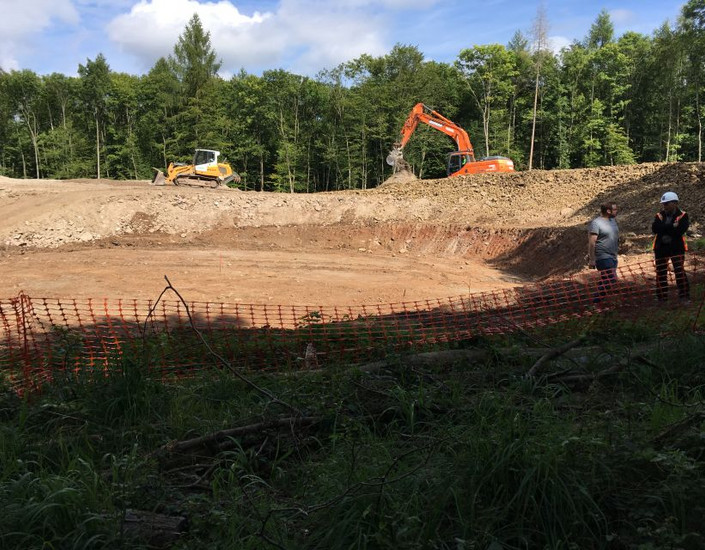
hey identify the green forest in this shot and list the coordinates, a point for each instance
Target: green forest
(604, 100)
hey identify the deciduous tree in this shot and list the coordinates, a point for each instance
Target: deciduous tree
(96, 85)
(488, 71)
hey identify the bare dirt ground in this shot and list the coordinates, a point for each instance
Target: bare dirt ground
(406, 240)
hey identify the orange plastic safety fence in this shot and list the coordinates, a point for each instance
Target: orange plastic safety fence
(42, 339)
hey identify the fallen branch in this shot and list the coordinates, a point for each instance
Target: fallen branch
(180, 455)
(213, 439)
(447, 358)
(556, 352)
(157, 530)
(430, 359)
(572, 378)
(674, 430)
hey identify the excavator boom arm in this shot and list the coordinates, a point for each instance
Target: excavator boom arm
(422, 113)
(461, 161)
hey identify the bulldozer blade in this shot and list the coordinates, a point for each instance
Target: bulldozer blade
(159, 178)
(233, 178)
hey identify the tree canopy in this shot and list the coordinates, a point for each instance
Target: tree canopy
(603, 100)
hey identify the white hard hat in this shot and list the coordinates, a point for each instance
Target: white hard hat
(669, 196)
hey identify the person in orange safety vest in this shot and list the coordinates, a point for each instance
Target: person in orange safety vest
(669, 227)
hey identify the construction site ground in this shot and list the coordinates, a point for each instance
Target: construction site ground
(406, 240)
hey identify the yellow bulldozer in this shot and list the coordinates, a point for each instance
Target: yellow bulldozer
(204, 171)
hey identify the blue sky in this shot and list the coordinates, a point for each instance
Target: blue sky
(301, 36)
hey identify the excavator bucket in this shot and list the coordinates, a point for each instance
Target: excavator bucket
(395, 159)
(159, 178)
(395, 156)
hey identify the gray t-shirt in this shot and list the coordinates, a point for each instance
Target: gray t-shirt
(607, 237)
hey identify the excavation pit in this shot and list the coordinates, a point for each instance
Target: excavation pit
(406, 241)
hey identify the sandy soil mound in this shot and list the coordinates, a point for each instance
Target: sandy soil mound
(49, 213)
(401, 177)
(560, 197)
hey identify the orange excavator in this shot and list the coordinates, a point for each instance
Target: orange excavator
(461, 161)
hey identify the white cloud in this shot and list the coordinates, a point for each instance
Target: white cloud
(25, 20)
(7, 58)
(152, 27)
(393, 4)
(327, 34)
(622, 17)
(306, 35)
(557, 43)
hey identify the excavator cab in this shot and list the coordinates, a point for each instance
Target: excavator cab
(458, 159)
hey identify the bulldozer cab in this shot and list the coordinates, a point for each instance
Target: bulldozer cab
(205, 158)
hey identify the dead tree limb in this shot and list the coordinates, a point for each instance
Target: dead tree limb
(676, 429)
(430, 359)
(158, 530)
(212, 439)
(211, 444)
(555, 352)
(577, 378)
(446, 358)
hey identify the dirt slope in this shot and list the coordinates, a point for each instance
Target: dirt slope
(95, 238)
(50, 213)
(560, 197)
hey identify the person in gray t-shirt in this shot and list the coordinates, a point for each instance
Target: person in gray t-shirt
(603, 244)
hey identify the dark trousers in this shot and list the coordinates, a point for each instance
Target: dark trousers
(607, 268)
(662, 276)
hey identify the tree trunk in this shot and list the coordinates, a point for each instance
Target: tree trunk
(24, 163)
(261, 171)
(347, 151)
(511, 122)
(308, 166)
(97, 144)
(35, 145)
(33, 134)
(486, 127)
(157, 530)
(363, 160)
(286, 145)
(668, 133)
(129, 137)
(700, 125)
(533, 121)
(68, 145)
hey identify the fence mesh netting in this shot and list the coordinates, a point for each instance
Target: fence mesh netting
(45, 338)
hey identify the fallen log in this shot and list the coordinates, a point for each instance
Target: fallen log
(177, 453)
(555, 352)
(157, 530)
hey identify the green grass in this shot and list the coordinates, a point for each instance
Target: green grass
(460, 456)
(697, 244)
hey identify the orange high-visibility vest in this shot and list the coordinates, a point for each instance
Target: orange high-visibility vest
(660, 217)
